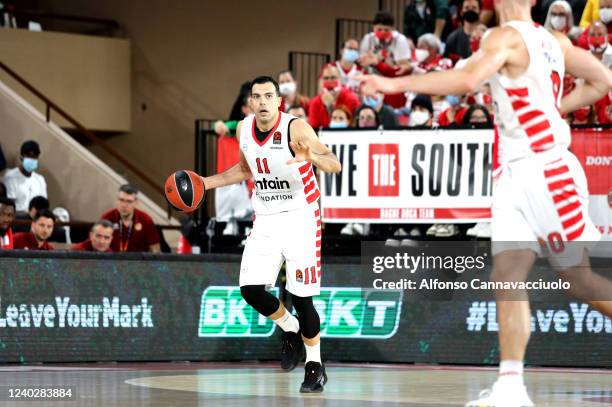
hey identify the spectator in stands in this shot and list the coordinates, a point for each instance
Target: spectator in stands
(453, 115)
(134, 230)
(421, 111)
(341, 118)
(605, 10)
(560, 17)
(348, 66)
(599, 43)
(24, 183)
(240, 106)
(366, 117)
(228, 127)
(37, 204)
(479, 115)
(332, 94)
(428, 55)
(425, 16)
(458, 42)
(289, 91)
(385, 113)
(41, 230)
(584, 115)
(7, 216)
(298, 111)
(387, 52)
(100, 238)
(593, 12)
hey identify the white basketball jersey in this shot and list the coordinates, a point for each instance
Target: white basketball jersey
(278, 187)
(526, 108)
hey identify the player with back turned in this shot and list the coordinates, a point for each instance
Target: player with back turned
(279, 151)
(541, 194)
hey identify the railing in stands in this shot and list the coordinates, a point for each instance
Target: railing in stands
(50, 106)
(306, 67)
(396, 8)
(106, 27)
(348, 28)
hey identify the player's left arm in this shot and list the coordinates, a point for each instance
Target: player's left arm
(307, 147)
(491, 57)
(597, 77)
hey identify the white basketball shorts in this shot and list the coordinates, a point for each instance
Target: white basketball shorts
(294, 237)
(541, 202)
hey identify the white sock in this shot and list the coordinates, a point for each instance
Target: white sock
(288, 322)
(313, 353)
(511, 370)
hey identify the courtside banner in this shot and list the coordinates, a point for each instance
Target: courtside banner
(593, 148)
(411, 176)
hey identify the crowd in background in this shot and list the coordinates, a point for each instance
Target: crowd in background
(437, 35)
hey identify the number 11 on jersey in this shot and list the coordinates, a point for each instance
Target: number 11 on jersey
(262, 165)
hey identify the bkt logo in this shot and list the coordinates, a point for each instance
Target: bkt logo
(383, 170)
(265, 184)
(223, 312)
(344, 313)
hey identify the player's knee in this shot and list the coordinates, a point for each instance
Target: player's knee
(261, 300)
(310, 324)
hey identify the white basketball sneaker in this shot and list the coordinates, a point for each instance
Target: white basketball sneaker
(504, 393)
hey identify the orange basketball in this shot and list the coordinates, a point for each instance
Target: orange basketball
(185, 190)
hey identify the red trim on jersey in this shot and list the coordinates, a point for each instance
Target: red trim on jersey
(572, 206)
(556, 171)
(309, 187)
(560, 184)
(540, 144)
(261, 143)
(575, 234)
(519, 104)
(565, 195)
(537, 128)
(313, 197)
(572, 221)
(304, 168)
(520, 92)
(532, 114)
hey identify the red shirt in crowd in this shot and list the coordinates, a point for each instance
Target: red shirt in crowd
(86, 246)
(319, 116)
(137, 237)
(602, 109)
(444, 121)
(6, 240)
(27, 241)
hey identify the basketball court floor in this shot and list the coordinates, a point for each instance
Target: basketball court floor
(263, 384)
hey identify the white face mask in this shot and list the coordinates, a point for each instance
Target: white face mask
(287, 89)
(605, 14)
(421, 54)
(558, 22)
(418, 118)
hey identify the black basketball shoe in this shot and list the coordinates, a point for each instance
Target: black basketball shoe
(292, 350)
(314, 378)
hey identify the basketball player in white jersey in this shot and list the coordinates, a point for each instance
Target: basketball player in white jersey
(278, 151)
(541, 194)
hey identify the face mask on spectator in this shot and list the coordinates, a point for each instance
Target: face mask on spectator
(471, 16)
(453, 100)
(558, 22)
(605, 14)
(372, 101)
(421, 54)
(598, 43)
(338, 125)
(421, 6)
(30, 164)
(332, 85)
(383, 36)
(350, 55)
(418, 118)
(287, 88)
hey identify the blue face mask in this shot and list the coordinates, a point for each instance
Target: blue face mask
(30, 164)
(372, 102)
(453, 100)
(338, 125)
(350, 55)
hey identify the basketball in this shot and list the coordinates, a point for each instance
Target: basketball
(185, 190)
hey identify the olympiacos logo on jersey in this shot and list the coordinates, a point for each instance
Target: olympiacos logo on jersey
(384, 169)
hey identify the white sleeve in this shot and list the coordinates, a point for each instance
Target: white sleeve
(365, 44)
(402, 48)
(11, 190)
(43, 187)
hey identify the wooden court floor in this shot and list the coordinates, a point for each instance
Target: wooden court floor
(255, 385)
